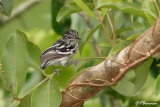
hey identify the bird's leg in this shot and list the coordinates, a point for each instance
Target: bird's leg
(74, 61)
(56, 70)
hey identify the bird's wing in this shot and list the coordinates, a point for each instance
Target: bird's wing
(57, 50)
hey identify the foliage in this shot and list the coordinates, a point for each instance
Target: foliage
(20, 51)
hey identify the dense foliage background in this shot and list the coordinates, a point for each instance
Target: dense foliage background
(28, 27)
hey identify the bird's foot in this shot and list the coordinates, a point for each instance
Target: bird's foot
(73, 61)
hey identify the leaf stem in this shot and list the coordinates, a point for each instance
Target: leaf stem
(83, 59)
(45, 79)
(156, 6)
(101, 22)
(111, 25)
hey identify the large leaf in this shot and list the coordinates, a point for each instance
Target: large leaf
(151, 14)
(127, 88)
(14, 63)
(84, 7)
(132, 26)
(33, 51)
(157, 88)
(123, 6)
(26, 101)
(62, 27)
(123, 44)
(85, 37)
(6, 7)
(47, 95)
(70, 9)
(142, 70)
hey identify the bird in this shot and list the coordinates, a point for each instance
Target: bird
(61, 51)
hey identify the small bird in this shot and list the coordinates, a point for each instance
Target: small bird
(61, 51)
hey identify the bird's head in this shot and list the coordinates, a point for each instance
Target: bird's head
(72, 35)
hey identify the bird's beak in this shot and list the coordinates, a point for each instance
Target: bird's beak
(78, 38)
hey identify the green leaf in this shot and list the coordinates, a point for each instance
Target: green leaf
(26, 101)
(84, 7)
(33, 51)
(132, 26)
(133, 37)
(142, 74)
(14, 63)
(85, 36)
(124, 6)
(157, 87)
(6, 7)
(119, 47)
(125, 87)
(67, 10)
(118, 19)
(70, 9)
(62, 27)
(47, 95)
(150, 18)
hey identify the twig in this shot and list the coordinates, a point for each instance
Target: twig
(47, 78)
(111, 25)
(156, 6)
(13, 103)
(18, 11)
(101, 22)
(83, 59)
(7, 99)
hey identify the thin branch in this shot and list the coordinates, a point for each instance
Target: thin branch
(156, 6)
(7, 99)
(83, 59)
(101, 22)
(47, 78)
(111, 25)
(12, 105)
(18, 11)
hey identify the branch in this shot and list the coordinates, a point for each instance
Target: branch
(101, 22)
(18, 11)
(110, 71)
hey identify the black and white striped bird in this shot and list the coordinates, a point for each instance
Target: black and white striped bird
(61, 51)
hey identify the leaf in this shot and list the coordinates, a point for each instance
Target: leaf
(125, 87)
(6, 7)
(47, 95)
(85, 36)
(84, 7)
(70, 9)
(124, 6)
(119, 47)
(62, 27)
(34, 77)
(132, 26)
(142, 74)
(67, 10)
(33, 51)
(118, 19)
(157, 87)
(133, 37)
(26, 101)
(150, 18)
(14, 63)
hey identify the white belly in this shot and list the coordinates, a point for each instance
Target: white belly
(62, 61)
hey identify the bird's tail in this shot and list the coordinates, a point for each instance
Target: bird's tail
(44, 65)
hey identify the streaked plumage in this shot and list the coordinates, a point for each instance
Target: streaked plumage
(61, 51)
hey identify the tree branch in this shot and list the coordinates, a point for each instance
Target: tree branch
(18, 11)
(110, 71)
